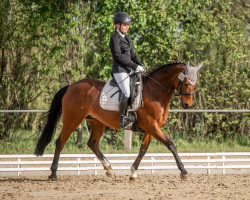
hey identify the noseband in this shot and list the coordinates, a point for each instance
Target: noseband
(180, 91)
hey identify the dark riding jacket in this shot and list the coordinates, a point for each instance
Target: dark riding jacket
(124, 56)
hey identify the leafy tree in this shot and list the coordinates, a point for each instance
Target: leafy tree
(48, 44)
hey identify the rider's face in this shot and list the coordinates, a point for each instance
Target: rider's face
(123, 28)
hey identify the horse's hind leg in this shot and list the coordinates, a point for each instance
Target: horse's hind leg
(144, 146)
(93, 143)
(68, 127)
(60, 142)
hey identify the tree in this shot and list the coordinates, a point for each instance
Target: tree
(48, 44)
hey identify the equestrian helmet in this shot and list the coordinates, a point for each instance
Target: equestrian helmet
(121, 17)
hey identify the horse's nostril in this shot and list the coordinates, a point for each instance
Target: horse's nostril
(186, 105)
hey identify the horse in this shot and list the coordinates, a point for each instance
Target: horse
(80, 101)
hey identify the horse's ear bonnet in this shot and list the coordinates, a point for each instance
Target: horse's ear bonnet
(199, 66)
(190, 73)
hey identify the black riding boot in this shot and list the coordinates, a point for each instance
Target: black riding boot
(124, 121)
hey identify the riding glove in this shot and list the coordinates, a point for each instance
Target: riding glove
(140, 69)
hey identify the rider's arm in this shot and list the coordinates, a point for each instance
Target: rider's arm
(117, 55)
(133, 55)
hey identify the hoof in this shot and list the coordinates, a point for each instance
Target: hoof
(184, 176)
(110, 174)
(52, 178)
(133, 179)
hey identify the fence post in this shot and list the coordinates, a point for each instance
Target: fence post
(223, 164)
(127, 139)
(78, 172)
(152, 171)
(95, 172)
(208, 164)
(18, 166)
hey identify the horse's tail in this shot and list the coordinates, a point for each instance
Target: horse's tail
(53, 116)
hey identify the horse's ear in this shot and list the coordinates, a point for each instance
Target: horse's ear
(199, 66)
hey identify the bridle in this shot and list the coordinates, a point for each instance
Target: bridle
(179, 86)
(180, 92)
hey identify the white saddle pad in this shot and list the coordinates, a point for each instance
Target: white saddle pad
(112, 103)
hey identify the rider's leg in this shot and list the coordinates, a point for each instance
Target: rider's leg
(122, 110)
(123, 81)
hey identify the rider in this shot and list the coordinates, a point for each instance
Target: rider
(125, 61)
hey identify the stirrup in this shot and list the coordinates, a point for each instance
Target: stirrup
(125, 122)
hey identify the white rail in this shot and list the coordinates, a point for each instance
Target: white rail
(179, 111)
(151, 161)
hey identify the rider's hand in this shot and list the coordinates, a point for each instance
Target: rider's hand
(140, 69)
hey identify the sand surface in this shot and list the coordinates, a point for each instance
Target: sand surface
(148, 187)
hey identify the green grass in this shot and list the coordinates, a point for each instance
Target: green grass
(24, 142)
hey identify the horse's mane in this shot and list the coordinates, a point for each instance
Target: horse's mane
(163, 66)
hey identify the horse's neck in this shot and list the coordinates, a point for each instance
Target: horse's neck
(168, 76)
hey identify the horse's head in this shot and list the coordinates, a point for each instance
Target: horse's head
(186, 84)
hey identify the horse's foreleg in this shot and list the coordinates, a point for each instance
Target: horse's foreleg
(144, 146)
(93, 143)
(159, 135)
(180, 165)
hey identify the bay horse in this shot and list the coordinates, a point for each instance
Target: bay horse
(80, 100)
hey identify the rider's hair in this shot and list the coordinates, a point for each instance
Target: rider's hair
(115, 28)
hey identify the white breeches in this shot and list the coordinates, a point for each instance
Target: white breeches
(123, 81)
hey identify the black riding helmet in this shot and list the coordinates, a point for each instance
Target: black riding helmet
(121, 17)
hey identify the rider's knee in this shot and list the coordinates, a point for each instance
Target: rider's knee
(127, 93)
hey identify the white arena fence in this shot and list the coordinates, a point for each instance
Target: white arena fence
(179, 111)
(151, 161)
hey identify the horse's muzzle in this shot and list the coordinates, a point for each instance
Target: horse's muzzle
(185, 105)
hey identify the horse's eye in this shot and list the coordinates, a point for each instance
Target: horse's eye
(186, 84)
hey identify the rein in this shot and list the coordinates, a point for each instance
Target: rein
(169, 90)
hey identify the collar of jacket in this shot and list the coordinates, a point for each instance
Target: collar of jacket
(122, 38)
(123, 35)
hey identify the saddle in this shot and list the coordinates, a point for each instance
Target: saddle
(134, 82)
(111, 93)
